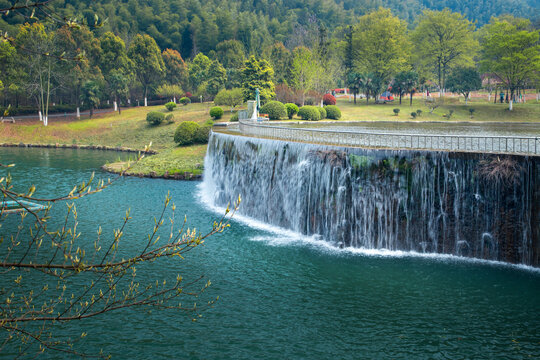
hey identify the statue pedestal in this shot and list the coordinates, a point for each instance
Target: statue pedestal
(252, 110)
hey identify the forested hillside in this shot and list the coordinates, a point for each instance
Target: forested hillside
(192, 26)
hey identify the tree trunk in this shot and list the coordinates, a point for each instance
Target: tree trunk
(400, 98)
(410, 104)
(466, 97)
(354, 97)
(145, 96)
(117, 104)
(91, 111)
(440, 79)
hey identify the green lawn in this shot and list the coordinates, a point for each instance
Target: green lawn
(128, 129)
(484, 111)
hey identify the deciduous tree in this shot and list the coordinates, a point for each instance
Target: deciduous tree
(511, 51)
(198, 70)
(90, 94)
(232, 98)
(443, 40)
(303, 70)
(380, 47)
(41, 63)
(148, 63)
(463, 80)
(176, 71)
(405, 82)
(217, 76)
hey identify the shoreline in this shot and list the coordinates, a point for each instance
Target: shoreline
(116, 168)
(111, 167)
(75, 146)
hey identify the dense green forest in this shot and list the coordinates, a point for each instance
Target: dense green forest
(134, 51)
(192, 26)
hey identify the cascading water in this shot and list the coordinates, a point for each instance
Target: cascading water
(473, 205)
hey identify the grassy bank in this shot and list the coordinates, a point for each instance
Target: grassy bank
(128, 129)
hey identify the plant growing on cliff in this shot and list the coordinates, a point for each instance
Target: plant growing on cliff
(78, 281)
(503, 170)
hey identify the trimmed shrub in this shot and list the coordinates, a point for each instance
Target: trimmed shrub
(309, 112)
(332, 112)
(275, 110)
(419, 112)
(155, 117)
(322, 111)
(471, 111)
(396, 111)
(169, 118)
(185, 133)
(234, 117)
(170, 106)
(203, 133)
(216, 112)
(413, 114)
(329, 99)
(292, 110)
(185, 100)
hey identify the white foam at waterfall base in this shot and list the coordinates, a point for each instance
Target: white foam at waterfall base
(282, 237)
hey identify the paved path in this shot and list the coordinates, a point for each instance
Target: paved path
(522, 145)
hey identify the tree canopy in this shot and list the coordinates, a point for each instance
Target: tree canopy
(443, 40)
(511, 51)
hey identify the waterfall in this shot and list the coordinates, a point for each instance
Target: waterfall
(473, 205)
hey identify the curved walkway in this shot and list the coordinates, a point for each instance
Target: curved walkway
(520, 145)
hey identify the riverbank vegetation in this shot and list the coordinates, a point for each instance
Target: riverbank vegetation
(129, 129)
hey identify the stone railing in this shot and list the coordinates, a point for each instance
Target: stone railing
(465, 143)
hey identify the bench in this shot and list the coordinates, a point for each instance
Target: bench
(10, 119)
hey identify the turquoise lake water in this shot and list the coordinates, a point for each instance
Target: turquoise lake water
(281, 295)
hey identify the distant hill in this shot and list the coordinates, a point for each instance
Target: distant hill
(195, 25)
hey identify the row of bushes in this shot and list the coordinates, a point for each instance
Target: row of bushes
(189, 132)
(277, 110)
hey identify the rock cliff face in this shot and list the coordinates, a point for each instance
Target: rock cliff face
(474, 205)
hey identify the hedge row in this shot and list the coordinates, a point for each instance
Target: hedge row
(315, 113)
